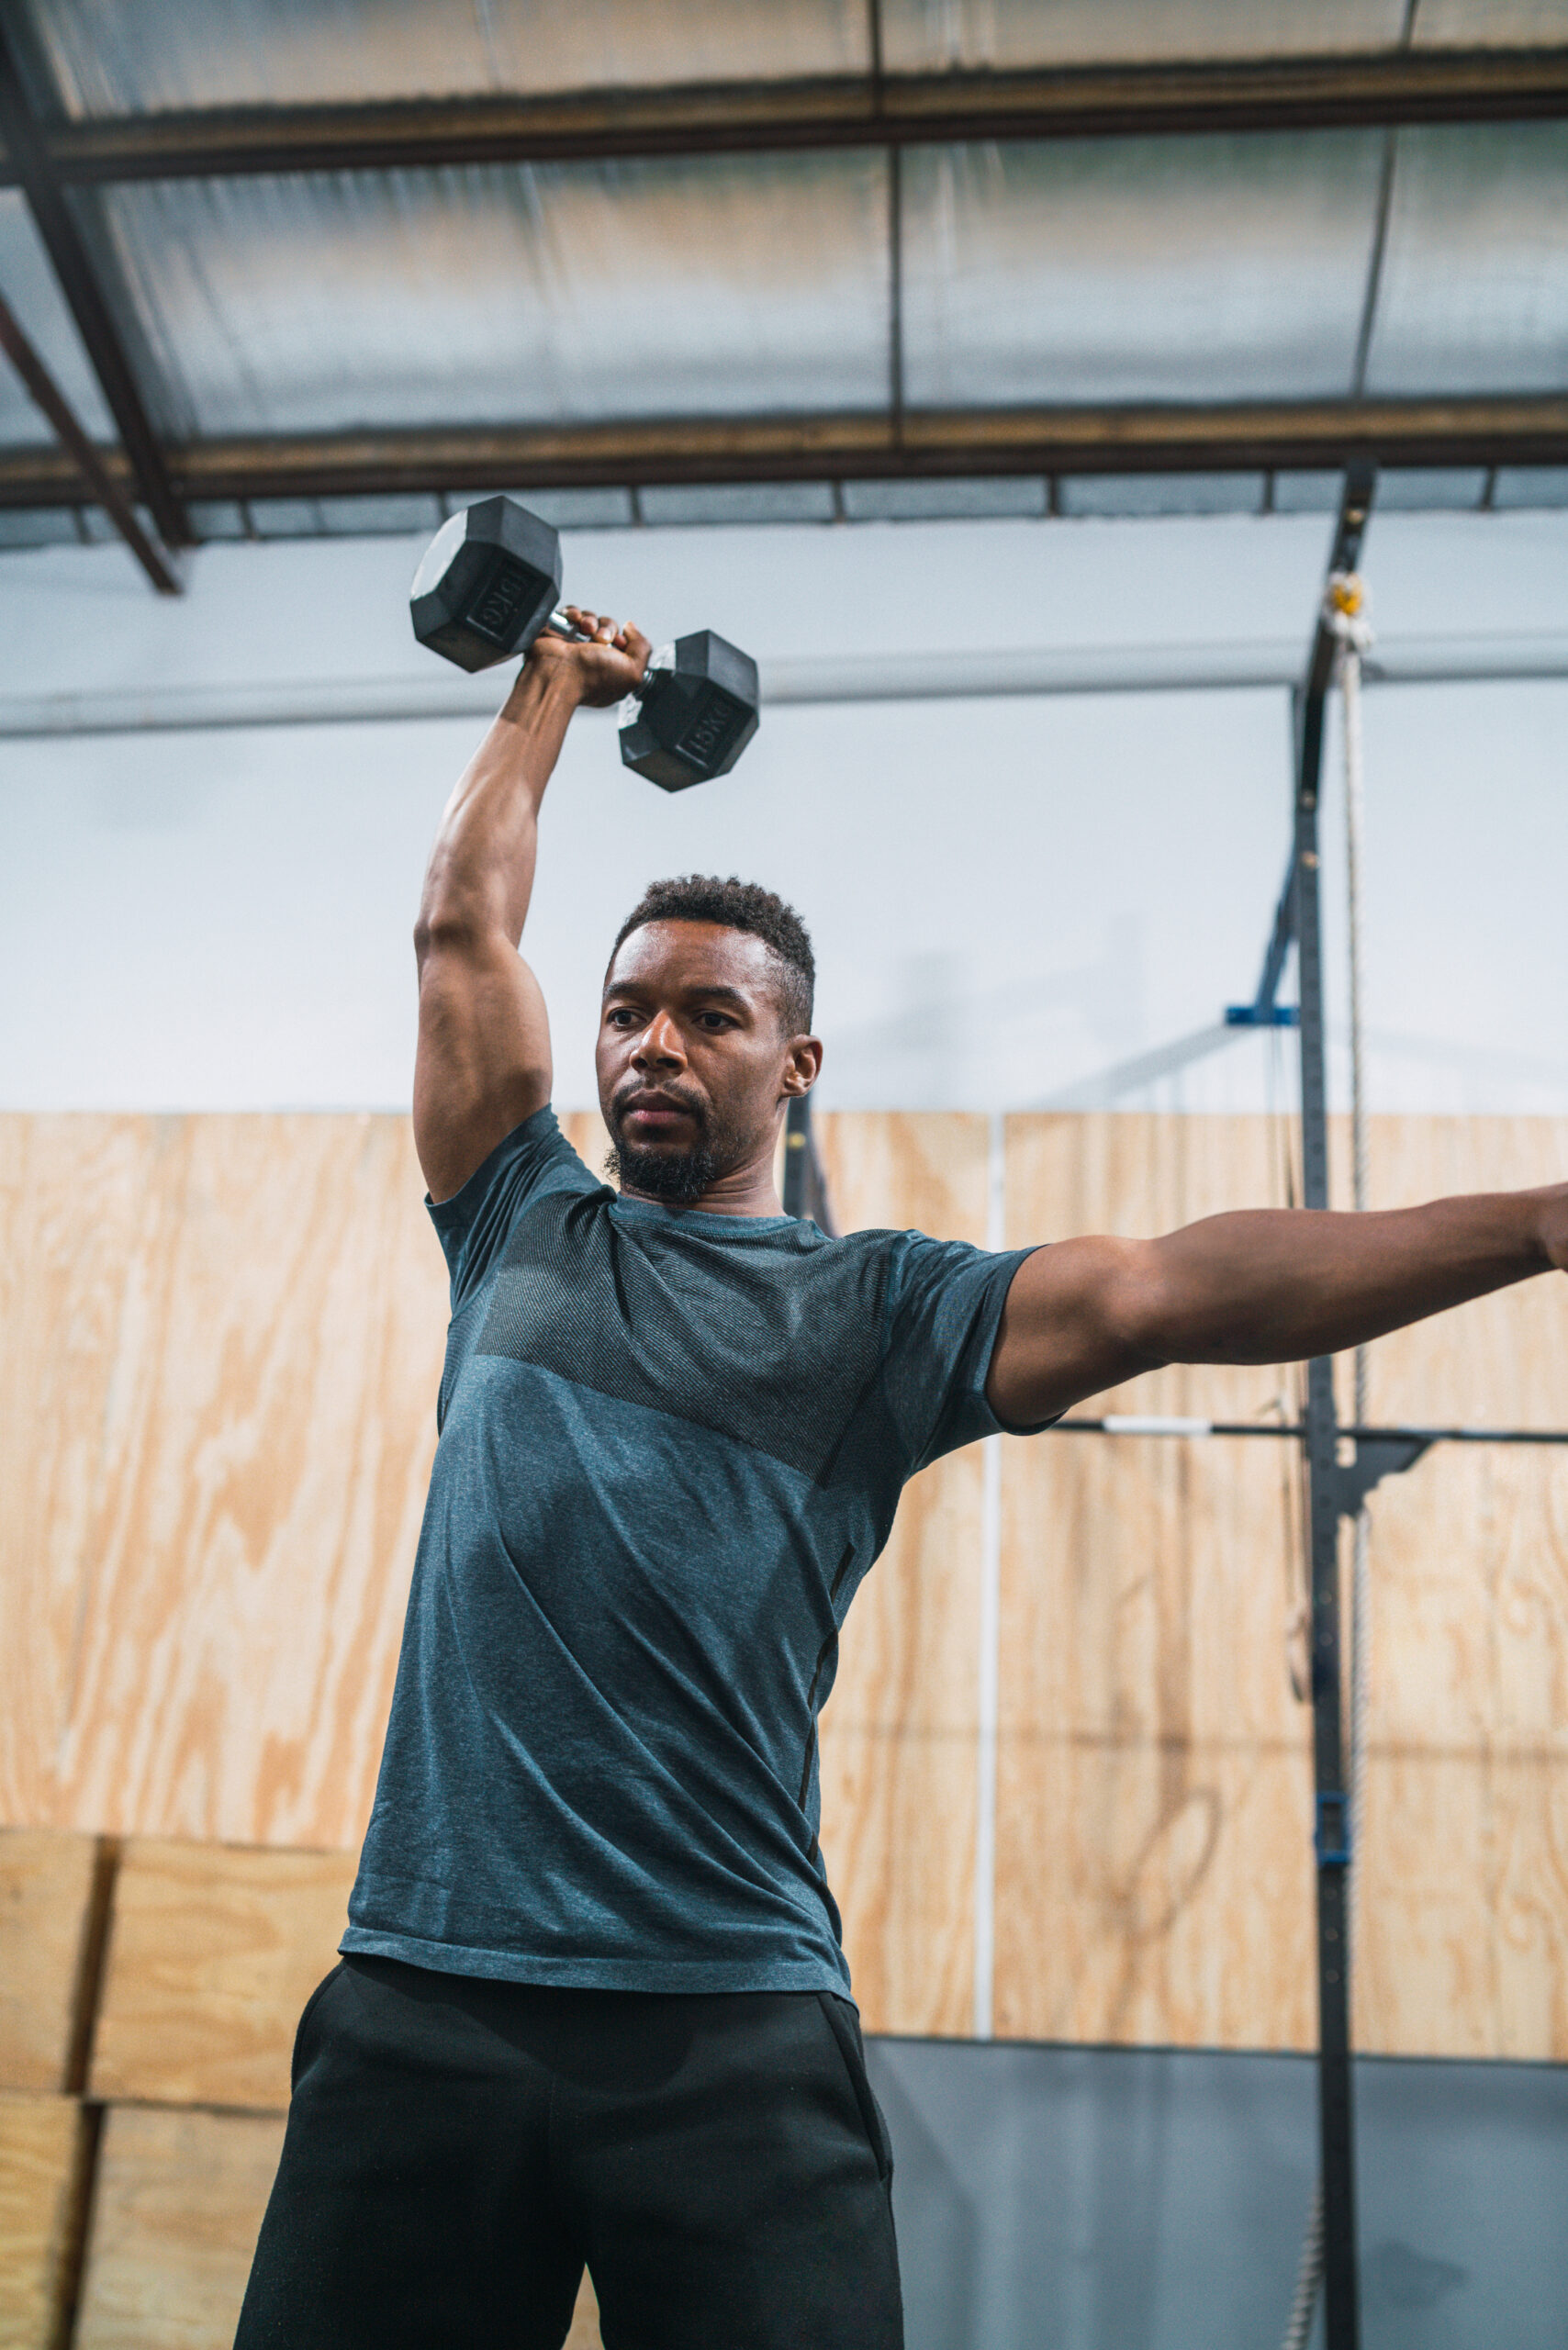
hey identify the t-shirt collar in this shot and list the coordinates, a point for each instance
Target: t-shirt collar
(703, 1220)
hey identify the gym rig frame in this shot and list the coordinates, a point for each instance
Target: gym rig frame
(1336, 1489)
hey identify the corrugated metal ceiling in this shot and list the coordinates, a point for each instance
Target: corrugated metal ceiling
(707, 286)
(1159, 268)
(126, 56)
(1474, 283)
(1195, 268)
(926, 33)
(130, 56)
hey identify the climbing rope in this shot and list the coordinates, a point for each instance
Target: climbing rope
(1346, 604)
(1345, 611)
(1309, 2275)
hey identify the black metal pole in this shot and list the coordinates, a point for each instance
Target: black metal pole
(1331, 1793)
(798, 1155)
(805, 1185)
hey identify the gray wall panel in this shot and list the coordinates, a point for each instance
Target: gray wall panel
(1085, 2199)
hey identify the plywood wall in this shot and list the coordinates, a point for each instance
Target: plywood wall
(223, 1342)
(1467, 1826)
(223, 1338)
(898, 1741)
(1153, 1877)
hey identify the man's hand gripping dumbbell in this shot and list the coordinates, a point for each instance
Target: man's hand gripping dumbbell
(602, 661)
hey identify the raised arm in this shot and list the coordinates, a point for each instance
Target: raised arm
(1265, 1286)
(483, 1063)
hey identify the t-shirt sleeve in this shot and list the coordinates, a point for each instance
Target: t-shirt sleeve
(945, 1306)
(535, 1159)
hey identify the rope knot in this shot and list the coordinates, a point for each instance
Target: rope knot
(1344, 609)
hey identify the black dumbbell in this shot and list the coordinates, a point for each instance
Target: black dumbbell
(491, 583)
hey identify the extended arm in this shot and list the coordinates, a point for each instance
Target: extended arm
(1265, 1286)
(483, 1063)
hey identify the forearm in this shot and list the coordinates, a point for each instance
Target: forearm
(480, 874)
(1283, 1285)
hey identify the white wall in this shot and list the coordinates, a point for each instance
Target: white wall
(1007, 896)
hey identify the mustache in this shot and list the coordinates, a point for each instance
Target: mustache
(670, 1096)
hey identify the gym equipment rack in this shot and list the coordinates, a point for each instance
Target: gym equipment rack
(1336, 1488)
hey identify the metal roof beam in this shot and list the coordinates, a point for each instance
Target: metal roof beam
(27, 147)
(1383, 86)
(922, 443)
(96, 479)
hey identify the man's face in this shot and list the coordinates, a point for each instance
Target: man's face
(693, 1059)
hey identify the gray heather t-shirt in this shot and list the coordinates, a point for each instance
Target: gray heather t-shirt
(671, 1445)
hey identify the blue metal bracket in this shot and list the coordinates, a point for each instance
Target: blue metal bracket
(1262, 1015)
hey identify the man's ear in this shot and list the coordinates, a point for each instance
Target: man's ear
(804, 1066)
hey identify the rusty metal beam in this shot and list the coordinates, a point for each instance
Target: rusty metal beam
(27, 148)
(1383, 86)
(97, 479)
(922, 443)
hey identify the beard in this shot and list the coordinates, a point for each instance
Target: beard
(678, 1177)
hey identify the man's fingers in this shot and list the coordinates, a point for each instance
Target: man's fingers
(599, 629)
(589, 624)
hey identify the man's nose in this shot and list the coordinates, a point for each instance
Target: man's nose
(659, 1045)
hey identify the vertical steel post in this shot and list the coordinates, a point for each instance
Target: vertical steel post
(1331, 1804)
(805, 1185)
(798, 1156)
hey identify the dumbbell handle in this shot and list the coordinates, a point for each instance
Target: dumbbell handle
(559, 625)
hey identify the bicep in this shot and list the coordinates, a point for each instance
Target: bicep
(483, 1064)
(1072, 1325)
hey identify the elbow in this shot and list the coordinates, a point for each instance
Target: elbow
(437, 927)
(451, 923)
(461, 908)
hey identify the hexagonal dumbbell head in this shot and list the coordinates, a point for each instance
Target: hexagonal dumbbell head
(489, 580)
(693, 718)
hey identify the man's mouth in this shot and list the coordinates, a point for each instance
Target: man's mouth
(653, 1113)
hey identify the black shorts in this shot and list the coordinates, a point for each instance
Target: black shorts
(457, 2149)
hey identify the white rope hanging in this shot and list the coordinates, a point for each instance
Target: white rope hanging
(1346, 606)
(1357, 637)
(1345, 611)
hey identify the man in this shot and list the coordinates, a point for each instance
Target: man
(593, 2003)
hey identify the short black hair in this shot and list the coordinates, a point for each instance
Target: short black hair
(737, 905)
